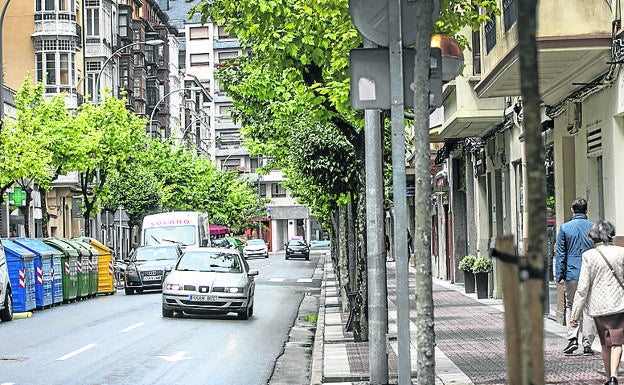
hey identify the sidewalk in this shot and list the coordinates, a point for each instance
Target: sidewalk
(470, 340)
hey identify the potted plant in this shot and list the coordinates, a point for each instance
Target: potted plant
(466, 264)
(481, 268)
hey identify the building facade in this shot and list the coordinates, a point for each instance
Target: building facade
(483, 154)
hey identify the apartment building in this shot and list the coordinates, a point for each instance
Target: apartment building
(77, 48)
(580, 55)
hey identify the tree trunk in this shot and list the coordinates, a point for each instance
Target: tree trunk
(360, 330)
(45, 216)
(343, 258)
(425, 335)
(533, 288)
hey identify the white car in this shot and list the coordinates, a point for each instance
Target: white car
(256, 248)
(209, 281)
(6, 299)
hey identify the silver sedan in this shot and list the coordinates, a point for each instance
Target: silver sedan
(209, 281)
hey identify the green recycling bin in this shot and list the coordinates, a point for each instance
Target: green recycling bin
(83, 267)
(92, 264)
(69, 268)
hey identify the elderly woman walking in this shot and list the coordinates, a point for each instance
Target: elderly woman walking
(601, 289)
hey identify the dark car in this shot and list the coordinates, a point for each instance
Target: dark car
(297, 248)
(146, 267)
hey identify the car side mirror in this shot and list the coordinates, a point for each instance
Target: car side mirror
(285, 244)
(252, 272)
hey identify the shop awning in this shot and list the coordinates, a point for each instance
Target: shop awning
(218, 230)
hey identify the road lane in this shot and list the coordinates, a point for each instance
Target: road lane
(123, 339)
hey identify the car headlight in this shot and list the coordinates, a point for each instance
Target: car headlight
(132, 272)
(234, 290)
(174, 287)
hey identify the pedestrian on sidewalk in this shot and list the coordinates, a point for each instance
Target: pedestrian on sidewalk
(601, 290)
(572, 242)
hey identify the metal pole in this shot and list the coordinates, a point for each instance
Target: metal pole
(162, 99)
(96, 90)
(375, 247)
(395, 46)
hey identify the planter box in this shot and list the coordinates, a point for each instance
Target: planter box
(469, 282)
(482, 285)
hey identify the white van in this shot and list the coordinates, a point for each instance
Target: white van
(186, 228)
(6, 299)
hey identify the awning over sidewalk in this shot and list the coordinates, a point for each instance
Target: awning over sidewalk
(218, 230)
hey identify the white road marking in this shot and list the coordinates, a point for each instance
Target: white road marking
(76, 352)
(132, 327)
(306, 280)
(179, 356)
(277, 279)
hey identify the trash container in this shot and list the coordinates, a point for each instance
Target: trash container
(92, 264)
(43, 274)
(69, 269)
(83, 267)
(20, 263)
(51, 266)
(105, 282)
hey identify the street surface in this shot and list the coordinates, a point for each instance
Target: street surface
(121, 339)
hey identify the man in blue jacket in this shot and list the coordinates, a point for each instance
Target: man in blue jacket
(572, 242)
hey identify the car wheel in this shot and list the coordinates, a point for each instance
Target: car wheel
(167, 313)
(251, 310)
(308, 257)
(243, 314)
(129, 291)
(6, 314)
(287, 257)
(266, 255)
(140, 291)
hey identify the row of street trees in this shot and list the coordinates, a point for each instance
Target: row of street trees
(291, 95)
(117, 164)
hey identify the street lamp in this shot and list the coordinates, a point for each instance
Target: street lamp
(165, 97)
(96, 90)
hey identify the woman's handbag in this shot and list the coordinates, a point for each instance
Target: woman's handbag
(610, 268)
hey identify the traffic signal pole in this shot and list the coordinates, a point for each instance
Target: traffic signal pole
(397, 108)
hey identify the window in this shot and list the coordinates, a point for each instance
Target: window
(50, 69)
(476, 53)
(93, 22)
(200, 59)
(510, 13)
(223, 34)
(64, 68)
(225, 110)
(277, 190)
(226, 55)
(490, 33)
(55, 63)
(199, 33)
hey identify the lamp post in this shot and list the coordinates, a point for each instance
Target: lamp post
(96, 90)
(165, 97)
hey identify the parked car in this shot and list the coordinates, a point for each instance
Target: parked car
(297, 248)
(6, 299)
(256, 248)
(210, 281)
(146, 265)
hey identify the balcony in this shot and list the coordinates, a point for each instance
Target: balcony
(572, 51)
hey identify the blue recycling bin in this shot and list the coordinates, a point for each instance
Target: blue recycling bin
(51, 268)
(21, 266)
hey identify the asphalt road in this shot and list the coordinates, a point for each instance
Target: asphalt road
(121, 339)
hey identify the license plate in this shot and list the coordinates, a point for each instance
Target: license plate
(152, 278)
(202, 298)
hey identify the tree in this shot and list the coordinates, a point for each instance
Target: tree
(27, 150)
(112, 134)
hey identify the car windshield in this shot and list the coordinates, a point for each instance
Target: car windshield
(255, 242)
(297, 243)
(210, 261)
(183, 235)
(156, 254)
